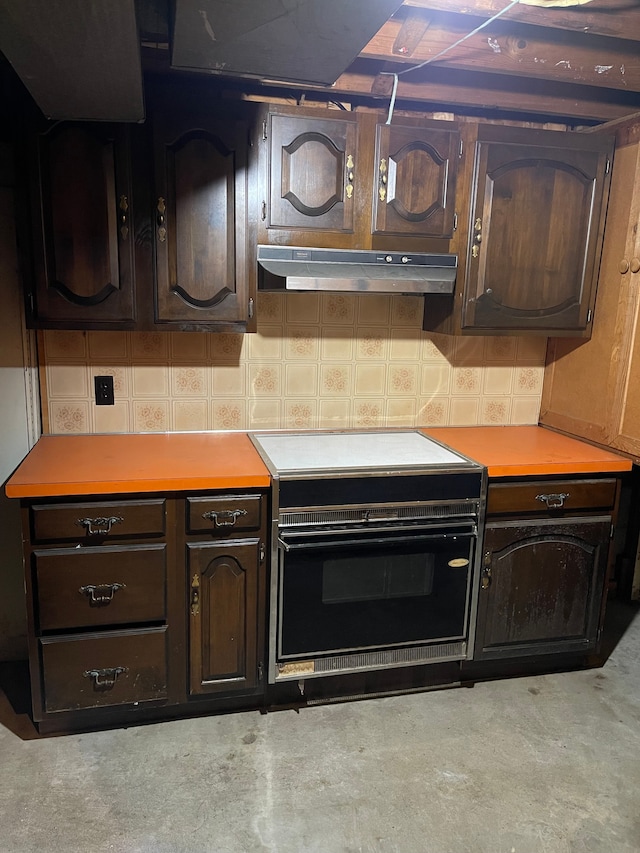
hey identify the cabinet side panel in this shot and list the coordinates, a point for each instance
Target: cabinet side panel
(580, 377)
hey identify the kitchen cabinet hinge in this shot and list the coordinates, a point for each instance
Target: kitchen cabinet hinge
(260, 671)
(612, 531)
(455, 221)
(607, 168)
(263, 552)
(589, 315)
(264, 129)
(461, 149)
(263, 212)
(250, 309)
(31, 302)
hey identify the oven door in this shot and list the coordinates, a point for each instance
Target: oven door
(349, 590)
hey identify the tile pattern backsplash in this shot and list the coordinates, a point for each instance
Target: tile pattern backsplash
(317, 361)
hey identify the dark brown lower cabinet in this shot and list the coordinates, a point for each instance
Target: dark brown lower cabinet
(541, 588)
(144, 606)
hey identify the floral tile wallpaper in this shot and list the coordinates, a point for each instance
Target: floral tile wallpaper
(317, 361)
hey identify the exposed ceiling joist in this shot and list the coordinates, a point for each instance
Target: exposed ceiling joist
(514, 49)
(619, 19)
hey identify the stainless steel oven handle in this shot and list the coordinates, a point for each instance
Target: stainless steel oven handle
(326, 532)
(332, 543)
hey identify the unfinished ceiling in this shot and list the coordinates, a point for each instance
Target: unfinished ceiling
(575, 61)
(541, 59)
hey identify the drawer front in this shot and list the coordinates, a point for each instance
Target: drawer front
(553, 495)
(104, 669)
(224, 514)
(96, 521)
(91, 587)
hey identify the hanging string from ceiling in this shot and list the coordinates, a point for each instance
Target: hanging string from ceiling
(397, 74)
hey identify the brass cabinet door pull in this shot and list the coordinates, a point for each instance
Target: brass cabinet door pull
(349, 176)
(160, 220)
(553, 501)
(486, 570)
(382, 179)
(103, 524)
(101, 594)
(224, 518)
(124, 209)
(195, 595)
(105, 679)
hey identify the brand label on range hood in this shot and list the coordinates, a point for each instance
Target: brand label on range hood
(360, 271)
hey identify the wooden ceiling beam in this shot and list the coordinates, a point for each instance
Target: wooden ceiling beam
(439, 88)
(611, 18)
(513, 49)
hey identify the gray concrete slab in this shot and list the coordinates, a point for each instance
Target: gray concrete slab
(546, 764)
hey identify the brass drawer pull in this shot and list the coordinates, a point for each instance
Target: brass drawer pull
(224, 518)
(105, 679)
(101, 594)
(102, 524)
(553, 501)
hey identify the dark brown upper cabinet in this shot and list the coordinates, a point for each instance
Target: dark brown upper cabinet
(81, 218)
(346, 180)
(200, 218)
(144, 227)
(529, 250)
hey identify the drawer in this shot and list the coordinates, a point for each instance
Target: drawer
(95, 521)
(91, 587)
(553, 495)
(104, 669)
(224, 514)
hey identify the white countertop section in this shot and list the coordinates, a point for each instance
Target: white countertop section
(341, 451)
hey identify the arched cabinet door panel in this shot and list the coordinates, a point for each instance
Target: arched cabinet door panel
(223, 615)
(541, 586)
(415, 180)
(200, 219)
(314, 173)
(535, 230)
(82, 212)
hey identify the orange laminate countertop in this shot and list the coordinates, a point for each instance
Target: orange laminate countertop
(520, 451)
(112, 464)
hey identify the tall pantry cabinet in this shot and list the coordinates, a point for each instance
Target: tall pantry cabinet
(592, 389)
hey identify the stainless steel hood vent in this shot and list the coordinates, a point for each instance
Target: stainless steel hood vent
(358, 271)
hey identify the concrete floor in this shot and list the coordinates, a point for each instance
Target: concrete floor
(547, 764)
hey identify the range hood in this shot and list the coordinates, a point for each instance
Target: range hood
(357, 271)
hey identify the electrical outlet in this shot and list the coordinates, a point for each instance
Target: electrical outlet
(104, 390)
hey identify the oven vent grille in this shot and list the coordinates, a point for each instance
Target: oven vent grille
(358, 515)
(391, 657)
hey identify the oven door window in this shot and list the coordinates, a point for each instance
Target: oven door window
(376, 592)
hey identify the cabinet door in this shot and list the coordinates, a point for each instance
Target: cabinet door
(200, 217)
(83, 239)
(535, 229)
(313, 172)
(541, 586)
(414, 181)
(225, 622)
